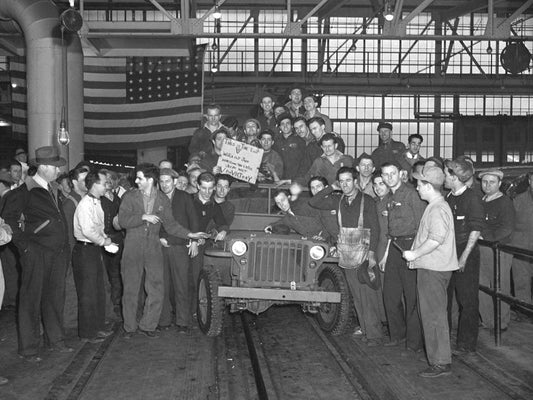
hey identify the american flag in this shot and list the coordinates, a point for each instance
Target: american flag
(17, 71)
(132, 102)
(153, 101)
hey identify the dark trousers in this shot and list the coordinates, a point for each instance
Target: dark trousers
(42, 294)
(112, 266)
(400, 297)
(11, 267)
(197, 265)
(88, 270)
(176, 286)
(466, 285)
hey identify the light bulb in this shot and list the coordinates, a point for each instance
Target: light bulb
(217, 14)
(71, 2)
(62, 134)
(13, 85)
(387, 12)
(214, 68)
(214, 46)
(489, 49)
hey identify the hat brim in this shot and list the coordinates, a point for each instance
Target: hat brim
(57, 163)
(364, 277)
(418, 176)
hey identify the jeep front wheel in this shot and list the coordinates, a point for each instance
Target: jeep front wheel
(210, 308)
(334, 317)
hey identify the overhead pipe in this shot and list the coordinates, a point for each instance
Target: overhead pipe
(39, 22)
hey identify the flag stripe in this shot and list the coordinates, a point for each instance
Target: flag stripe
(162, 135)
(140, 130)
(139, 122)
(19, 112)
(176, 113)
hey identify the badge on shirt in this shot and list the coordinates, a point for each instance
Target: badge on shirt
(333, 212)
(204, 213)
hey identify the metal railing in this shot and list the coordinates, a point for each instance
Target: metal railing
(496, 292)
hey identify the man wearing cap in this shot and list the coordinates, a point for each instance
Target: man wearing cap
(405, 209)
(289, 146)
(499, 226)
(468, 216)
(43, 249)
(295, 104)
(265, 116)
(177, 254)
(22, 157)
(311, 103)
(389, 150)
(434, 256)
(312, 149)
(201, 138)
(523, 238)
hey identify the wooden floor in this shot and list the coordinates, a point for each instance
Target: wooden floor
(303, 363)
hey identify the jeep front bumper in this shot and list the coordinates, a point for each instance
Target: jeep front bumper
(279, 294)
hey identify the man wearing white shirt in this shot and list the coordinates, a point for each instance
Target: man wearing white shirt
(87, 262)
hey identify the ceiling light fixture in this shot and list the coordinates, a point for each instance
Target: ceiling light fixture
(388, 13)
(217, 14)
(214, 68)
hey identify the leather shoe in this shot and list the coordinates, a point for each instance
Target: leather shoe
(127, 335)
(3, 380)
(182, 329)
(434, 371)
(374, 342)
(95, 340)
(149, 334)
(104, 334)
(394, 343)
(33, 358)
(164, 327)
(61, 347)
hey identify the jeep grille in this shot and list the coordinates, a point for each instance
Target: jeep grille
(280, 261)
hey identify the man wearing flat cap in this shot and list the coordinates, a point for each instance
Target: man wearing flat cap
(389, 150)
(42, 242)
(469, 221)
(433, 255)
(499, 226)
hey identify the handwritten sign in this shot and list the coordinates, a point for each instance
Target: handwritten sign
(240, 160)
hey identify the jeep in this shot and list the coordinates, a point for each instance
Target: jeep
(252, 270)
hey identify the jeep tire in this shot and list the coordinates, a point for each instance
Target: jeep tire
(210, 308)
(334, 317)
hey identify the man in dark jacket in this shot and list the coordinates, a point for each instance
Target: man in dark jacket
(43, 246)
(177, 254)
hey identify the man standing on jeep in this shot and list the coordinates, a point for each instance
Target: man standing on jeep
(365, 298)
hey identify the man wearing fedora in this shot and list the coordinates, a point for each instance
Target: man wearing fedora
(43, 246)
(434, 256)
(389, 150)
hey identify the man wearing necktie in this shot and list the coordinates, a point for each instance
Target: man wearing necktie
(43, 246)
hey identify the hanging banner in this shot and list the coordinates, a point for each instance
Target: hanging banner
(240, 160)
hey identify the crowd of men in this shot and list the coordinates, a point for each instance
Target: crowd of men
(139, 247)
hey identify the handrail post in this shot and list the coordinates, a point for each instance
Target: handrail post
(498, 301)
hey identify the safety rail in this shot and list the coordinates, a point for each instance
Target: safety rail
(496, 293)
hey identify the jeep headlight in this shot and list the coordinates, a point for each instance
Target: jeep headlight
(239, 248)
(317, 252)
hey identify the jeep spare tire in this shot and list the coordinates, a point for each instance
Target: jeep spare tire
(334, 317)
(210, 308)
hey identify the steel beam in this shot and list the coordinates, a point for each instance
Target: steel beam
(250, 17)
(165, 29)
